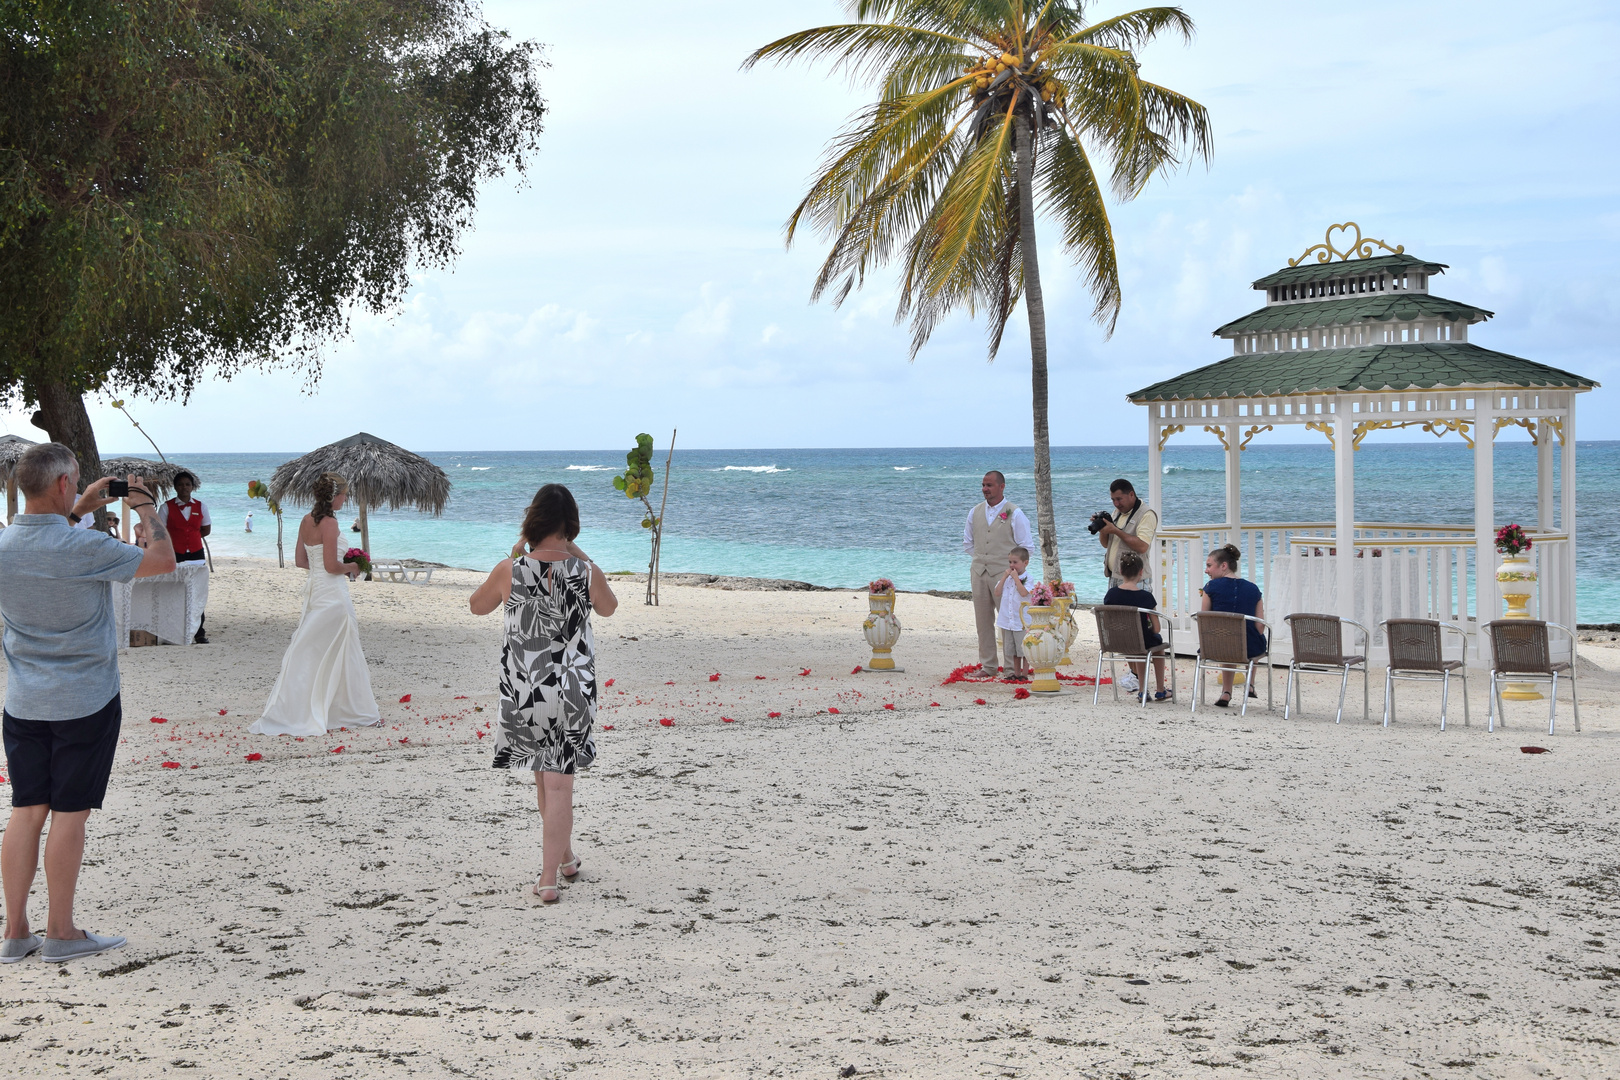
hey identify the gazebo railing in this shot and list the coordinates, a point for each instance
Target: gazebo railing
(1404, 570)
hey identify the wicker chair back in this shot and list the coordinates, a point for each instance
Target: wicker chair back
(1119, 629)
(1414, 644)
(1223, 637)
(1520, 646)
(1318, 639)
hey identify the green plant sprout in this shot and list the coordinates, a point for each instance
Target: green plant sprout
(637, 483)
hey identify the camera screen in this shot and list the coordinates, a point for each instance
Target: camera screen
(118, 489)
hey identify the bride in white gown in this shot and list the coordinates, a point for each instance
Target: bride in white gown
(324, 684)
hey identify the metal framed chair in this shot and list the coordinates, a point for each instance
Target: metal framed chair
(1223, 645)
(1417, 654)
(1520, 653)
(1319, 646)
(1120, 637)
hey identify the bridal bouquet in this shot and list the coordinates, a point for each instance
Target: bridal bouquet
(359, 558)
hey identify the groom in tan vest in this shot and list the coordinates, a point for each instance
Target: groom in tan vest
(994, 528)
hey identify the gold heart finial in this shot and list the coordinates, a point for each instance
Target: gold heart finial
(1358, 248)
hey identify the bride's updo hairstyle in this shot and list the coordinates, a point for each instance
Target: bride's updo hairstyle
(326, 489)
(553, 511)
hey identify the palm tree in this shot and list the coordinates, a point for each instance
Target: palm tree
(989, 107)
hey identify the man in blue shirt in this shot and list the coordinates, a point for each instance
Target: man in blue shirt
(62, 710)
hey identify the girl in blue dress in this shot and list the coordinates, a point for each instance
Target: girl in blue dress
(1225, 591)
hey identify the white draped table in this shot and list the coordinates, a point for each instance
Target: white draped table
(169, 606)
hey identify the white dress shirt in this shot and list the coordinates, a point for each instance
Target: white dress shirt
(1019, 523)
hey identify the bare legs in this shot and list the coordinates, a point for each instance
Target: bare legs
(1139, 669)
(555, 793)
(19, 857)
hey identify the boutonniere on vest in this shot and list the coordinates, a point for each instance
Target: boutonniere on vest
(1004, 515)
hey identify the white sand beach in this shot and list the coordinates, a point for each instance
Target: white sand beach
(1021, 888)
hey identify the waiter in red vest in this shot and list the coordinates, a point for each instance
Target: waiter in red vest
(187, 521)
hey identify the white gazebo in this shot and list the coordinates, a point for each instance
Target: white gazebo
(1350, 342)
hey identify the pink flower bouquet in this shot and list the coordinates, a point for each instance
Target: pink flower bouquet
(881, 587)
(1510, 540)
(1040, 595)
(360, 559)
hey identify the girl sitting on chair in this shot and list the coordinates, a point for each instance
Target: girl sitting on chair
(1225, 591)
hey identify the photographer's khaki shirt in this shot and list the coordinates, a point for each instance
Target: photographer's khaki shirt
(1145, 525)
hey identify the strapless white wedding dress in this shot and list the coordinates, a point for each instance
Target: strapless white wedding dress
(324, 684)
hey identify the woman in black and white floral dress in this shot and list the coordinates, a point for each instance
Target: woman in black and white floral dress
(548, 668)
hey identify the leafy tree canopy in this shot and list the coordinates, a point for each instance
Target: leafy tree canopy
(188, 187)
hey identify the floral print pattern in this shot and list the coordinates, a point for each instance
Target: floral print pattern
(548, 669)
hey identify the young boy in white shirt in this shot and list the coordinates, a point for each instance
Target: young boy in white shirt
(1011, 590)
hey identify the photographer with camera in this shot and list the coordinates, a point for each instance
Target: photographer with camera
(62, 709)
(1130, 527)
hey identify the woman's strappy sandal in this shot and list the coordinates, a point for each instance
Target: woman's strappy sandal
(540, 891)
(568, 871)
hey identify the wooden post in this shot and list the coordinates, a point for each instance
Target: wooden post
(11, 496)
(1344, 509)
(1234, 490)
(1487, 601)
(1566, 519)
(365, 531)
(1155, 495)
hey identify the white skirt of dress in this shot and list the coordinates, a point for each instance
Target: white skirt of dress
(324, 683)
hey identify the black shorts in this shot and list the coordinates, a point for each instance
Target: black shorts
(63, 764)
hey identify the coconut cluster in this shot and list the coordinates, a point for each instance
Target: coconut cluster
(986, 70)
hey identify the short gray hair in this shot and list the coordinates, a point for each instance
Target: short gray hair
(41, 466)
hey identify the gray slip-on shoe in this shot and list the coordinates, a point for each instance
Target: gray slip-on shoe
(20, 948)
(56, 951)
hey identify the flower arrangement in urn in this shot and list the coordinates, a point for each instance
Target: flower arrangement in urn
(1040, 595)
(361, 559)
(882, 586)
(1511, 539)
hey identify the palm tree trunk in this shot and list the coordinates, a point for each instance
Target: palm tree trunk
(1035, 306)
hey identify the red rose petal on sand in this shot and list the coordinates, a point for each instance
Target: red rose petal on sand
(667, 722)
(978, 701)
(337, 749)
(727, 720)
(1534, 750)
(933, 704)
(405, 740)
(160, 719)
(607, 727)
(715, 677)
(833, 711)
(806, 671)
(171, 764)
(608, 683)
(254, 757)
(888, 706)
(856, 670)
(671, 682)
(196, 766)
(773, 715)
(222, 712)
(405, 700)
(480, 734)
(1021, 693)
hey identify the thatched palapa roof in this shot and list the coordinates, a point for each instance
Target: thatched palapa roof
(377, 472)
(157, 474)
(12, 448)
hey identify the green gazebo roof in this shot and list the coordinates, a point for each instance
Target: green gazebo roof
(1368, 368)
(1375, 307)
(1324, 271)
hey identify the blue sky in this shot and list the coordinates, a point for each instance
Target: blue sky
(638, 282)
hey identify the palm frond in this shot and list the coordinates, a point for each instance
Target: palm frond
(1134, 29)
(1069, 192)
(861, 49)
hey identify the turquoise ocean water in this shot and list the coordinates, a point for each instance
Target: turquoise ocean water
(843, 517)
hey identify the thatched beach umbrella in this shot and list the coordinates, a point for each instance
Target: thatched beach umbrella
(12, 448)
(377, 472)
(157, 475)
